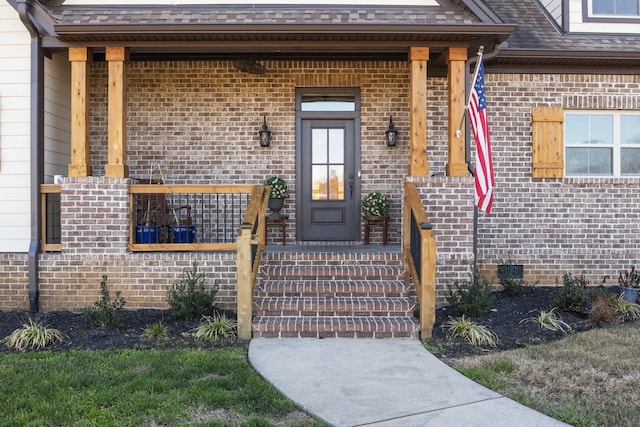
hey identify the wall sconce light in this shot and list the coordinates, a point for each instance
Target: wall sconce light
(391, 134)
(265, 134)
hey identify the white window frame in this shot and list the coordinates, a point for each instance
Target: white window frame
(616, 147)
(614, 15)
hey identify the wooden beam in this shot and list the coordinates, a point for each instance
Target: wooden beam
(418, 165)
(80, 58)
(456, 57)
(116, 166)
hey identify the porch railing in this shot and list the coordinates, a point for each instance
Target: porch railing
(186, 217)
(50, 214)
(251, 242)
(419, 256)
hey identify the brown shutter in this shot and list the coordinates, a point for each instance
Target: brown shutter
(548, 149)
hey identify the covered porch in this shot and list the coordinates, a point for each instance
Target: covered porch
(190, 98)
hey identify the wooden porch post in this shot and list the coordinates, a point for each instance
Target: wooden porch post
(116, 166)
(456, 57)
(418, 165)
(80, 58)
(245, 289)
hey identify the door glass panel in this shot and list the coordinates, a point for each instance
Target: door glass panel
(327, 163)
(319, 182)
(325, 102)
(336, 146)
(318, 146)
(336, 182)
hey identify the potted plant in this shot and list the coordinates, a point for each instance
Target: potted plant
(147, 229)
(375, 204)
(182, 229)
(279, 192)
(629, 282)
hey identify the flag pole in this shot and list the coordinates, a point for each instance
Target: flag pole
(473, 82)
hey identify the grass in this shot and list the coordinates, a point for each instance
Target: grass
(134, 388)
(587, 379)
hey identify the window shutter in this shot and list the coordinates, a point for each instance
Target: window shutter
(548, 147)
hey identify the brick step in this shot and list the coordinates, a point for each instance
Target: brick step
(330, 256)
(332, 272)
(319, 288)
(335, 327)
(334, 306)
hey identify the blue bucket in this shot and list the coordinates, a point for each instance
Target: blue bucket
(183, 233)
(147, 234)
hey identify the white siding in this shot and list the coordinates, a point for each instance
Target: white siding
(15, 47)
(57, 129)
(577, 26)
(554, 7)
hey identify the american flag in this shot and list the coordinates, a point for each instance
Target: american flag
(477, 112)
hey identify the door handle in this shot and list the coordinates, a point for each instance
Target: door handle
(351, 185)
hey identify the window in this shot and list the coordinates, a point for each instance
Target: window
(602, 144)
(615, 7)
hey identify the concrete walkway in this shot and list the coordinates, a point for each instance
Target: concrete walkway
(383, 382)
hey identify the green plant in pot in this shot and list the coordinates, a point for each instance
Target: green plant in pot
(629, 282)
(375, 204)
(147, 229)
(279, 192)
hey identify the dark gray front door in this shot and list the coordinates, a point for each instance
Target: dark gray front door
(328, 180)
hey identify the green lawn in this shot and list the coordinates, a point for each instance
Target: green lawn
(140, 388)
(587, 379)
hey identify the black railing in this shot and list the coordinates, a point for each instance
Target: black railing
(50, 216)
(186, 217)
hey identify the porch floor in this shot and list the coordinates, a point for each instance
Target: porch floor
(332, 247)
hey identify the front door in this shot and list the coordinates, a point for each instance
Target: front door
(329, 196)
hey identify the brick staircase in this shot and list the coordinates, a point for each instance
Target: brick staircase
(323, 291)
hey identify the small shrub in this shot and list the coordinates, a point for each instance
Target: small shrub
(191, 298)
(105, 311)
(215, 328)
(33, 335)
(626, 309)
(548, 320)
(471, 298)
(572, 295)
(603, 309)
(514, 287)
(475, 334)
(156, 331)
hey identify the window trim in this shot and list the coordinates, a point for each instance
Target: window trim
(616, 145)
(589, 16)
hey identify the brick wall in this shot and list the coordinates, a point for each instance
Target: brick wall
(448, 202)
(586, 226)
(14, 281)
(199, 121)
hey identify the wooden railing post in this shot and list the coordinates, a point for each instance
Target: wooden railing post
(245, 288)
(428, 284)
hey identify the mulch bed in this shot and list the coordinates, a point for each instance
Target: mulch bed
(80, 333)
(503, 319)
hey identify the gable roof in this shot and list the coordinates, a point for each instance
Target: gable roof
(528, 39)
(536, 42)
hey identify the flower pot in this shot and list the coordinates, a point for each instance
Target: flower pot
(147, 234)
(275, 205)
(629, 294)
(183, 233)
